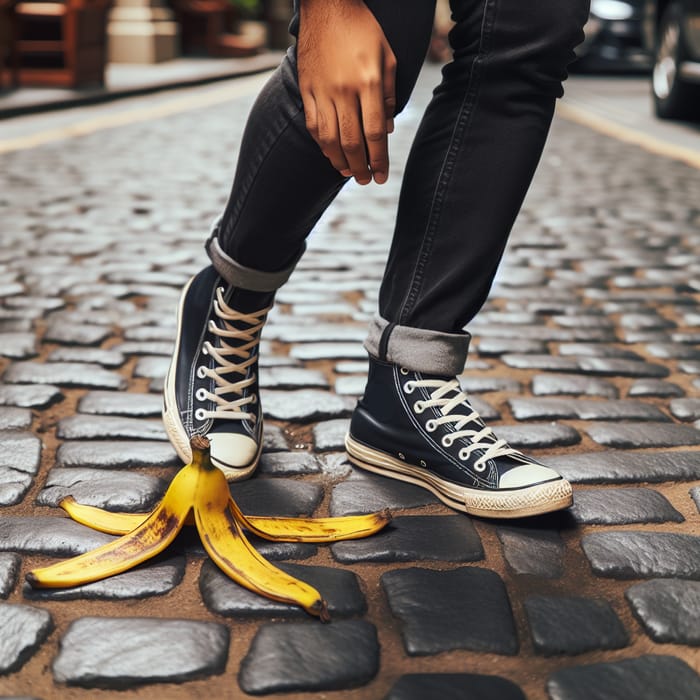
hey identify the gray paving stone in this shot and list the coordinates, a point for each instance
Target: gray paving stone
(551, 363)
(273, 439)
(304, 656)
(116, 454)
(29, 396)
(534, 435)
(48, 535)
(416, 537)
(289, 463)
(18, 346)
(339, 588)
(329, 351)
(20, 451)
(614, 367)
(350, 385)
(100, 652)
(617, 506)
(12, 418)
(367, 493)
(145, 581)
(13, 486)
(152, 367)
(549, 384)
(23, 629)
(303, 405)
(330, 435)
(647, 321)
(633, 435)
(61, 331)
(284, 497)
(79, 374)
(597, 350)
(695, 495)
(9, 571)
(668, 609)
(643, 678)
(655, 387)
(533, 551)
(566, 625)
(144, 347)
(686, 409)
(584, 409)
(637, 554)
(136, 405)
(104, 488)
(689, 366)
(473, 384)
(336, 465)
(474, 611)
(105, 358)
(673, 351)
(292, 378)
(493, 347)
(352, 367)
(91, 427)
(453, 686)
(614, 467)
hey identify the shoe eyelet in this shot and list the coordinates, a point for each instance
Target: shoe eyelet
(253, 398)
(408, 387)
(418, 407)
(403, 371)
(479, 467)
(447, 441)
(422, 463)
(201, 372)
(431, 425)
(201, 394)
(199, 414)
(402, 456)
(204, 351)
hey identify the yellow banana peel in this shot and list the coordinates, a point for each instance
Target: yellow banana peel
(199, 495)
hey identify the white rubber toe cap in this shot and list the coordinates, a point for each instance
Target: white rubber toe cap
(527, 475)
(233, 451)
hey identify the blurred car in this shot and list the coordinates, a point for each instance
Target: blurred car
(614, 40)
(672, 33)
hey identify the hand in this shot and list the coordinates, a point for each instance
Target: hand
(347, 80)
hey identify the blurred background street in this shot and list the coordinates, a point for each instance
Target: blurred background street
(587, 355)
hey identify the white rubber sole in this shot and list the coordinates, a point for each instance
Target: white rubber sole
(171, 416)
(541, 498)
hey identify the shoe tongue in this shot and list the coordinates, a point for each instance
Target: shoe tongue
(246, 302)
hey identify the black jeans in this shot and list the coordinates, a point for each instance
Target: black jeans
(471, 163)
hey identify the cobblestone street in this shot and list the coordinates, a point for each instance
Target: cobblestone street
(587, 356)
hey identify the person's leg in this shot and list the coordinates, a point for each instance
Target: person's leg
(283, 183)
(469, 169)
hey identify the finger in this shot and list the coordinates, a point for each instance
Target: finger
(329, 137)
(389, 84)
(352, 140)
(375, 132)
(310, 114)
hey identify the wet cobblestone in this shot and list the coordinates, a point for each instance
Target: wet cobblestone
(586, 356)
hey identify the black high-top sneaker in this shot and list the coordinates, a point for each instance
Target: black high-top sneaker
(421, 428)
(212, 384)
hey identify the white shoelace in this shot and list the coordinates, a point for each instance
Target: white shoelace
(481, 439)
(225, 357)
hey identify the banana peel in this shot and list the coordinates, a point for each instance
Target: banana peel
(199, 495)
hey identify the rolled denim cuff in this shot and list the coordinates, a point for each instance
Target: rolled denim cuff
(418, 349)
(245, 277)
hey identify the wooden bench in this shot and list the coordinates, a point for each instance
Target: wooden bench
(61, 43)
(205, 27)
(9, 64)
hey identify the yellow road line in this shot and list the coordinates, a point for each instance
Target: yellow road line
(241, 87)
(620, 132)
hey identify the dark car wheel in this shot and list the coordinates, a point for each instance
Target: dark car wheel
(673, 98)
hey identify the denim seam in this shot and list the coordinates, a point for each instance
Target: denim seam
(457, 138)
(240, 203)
